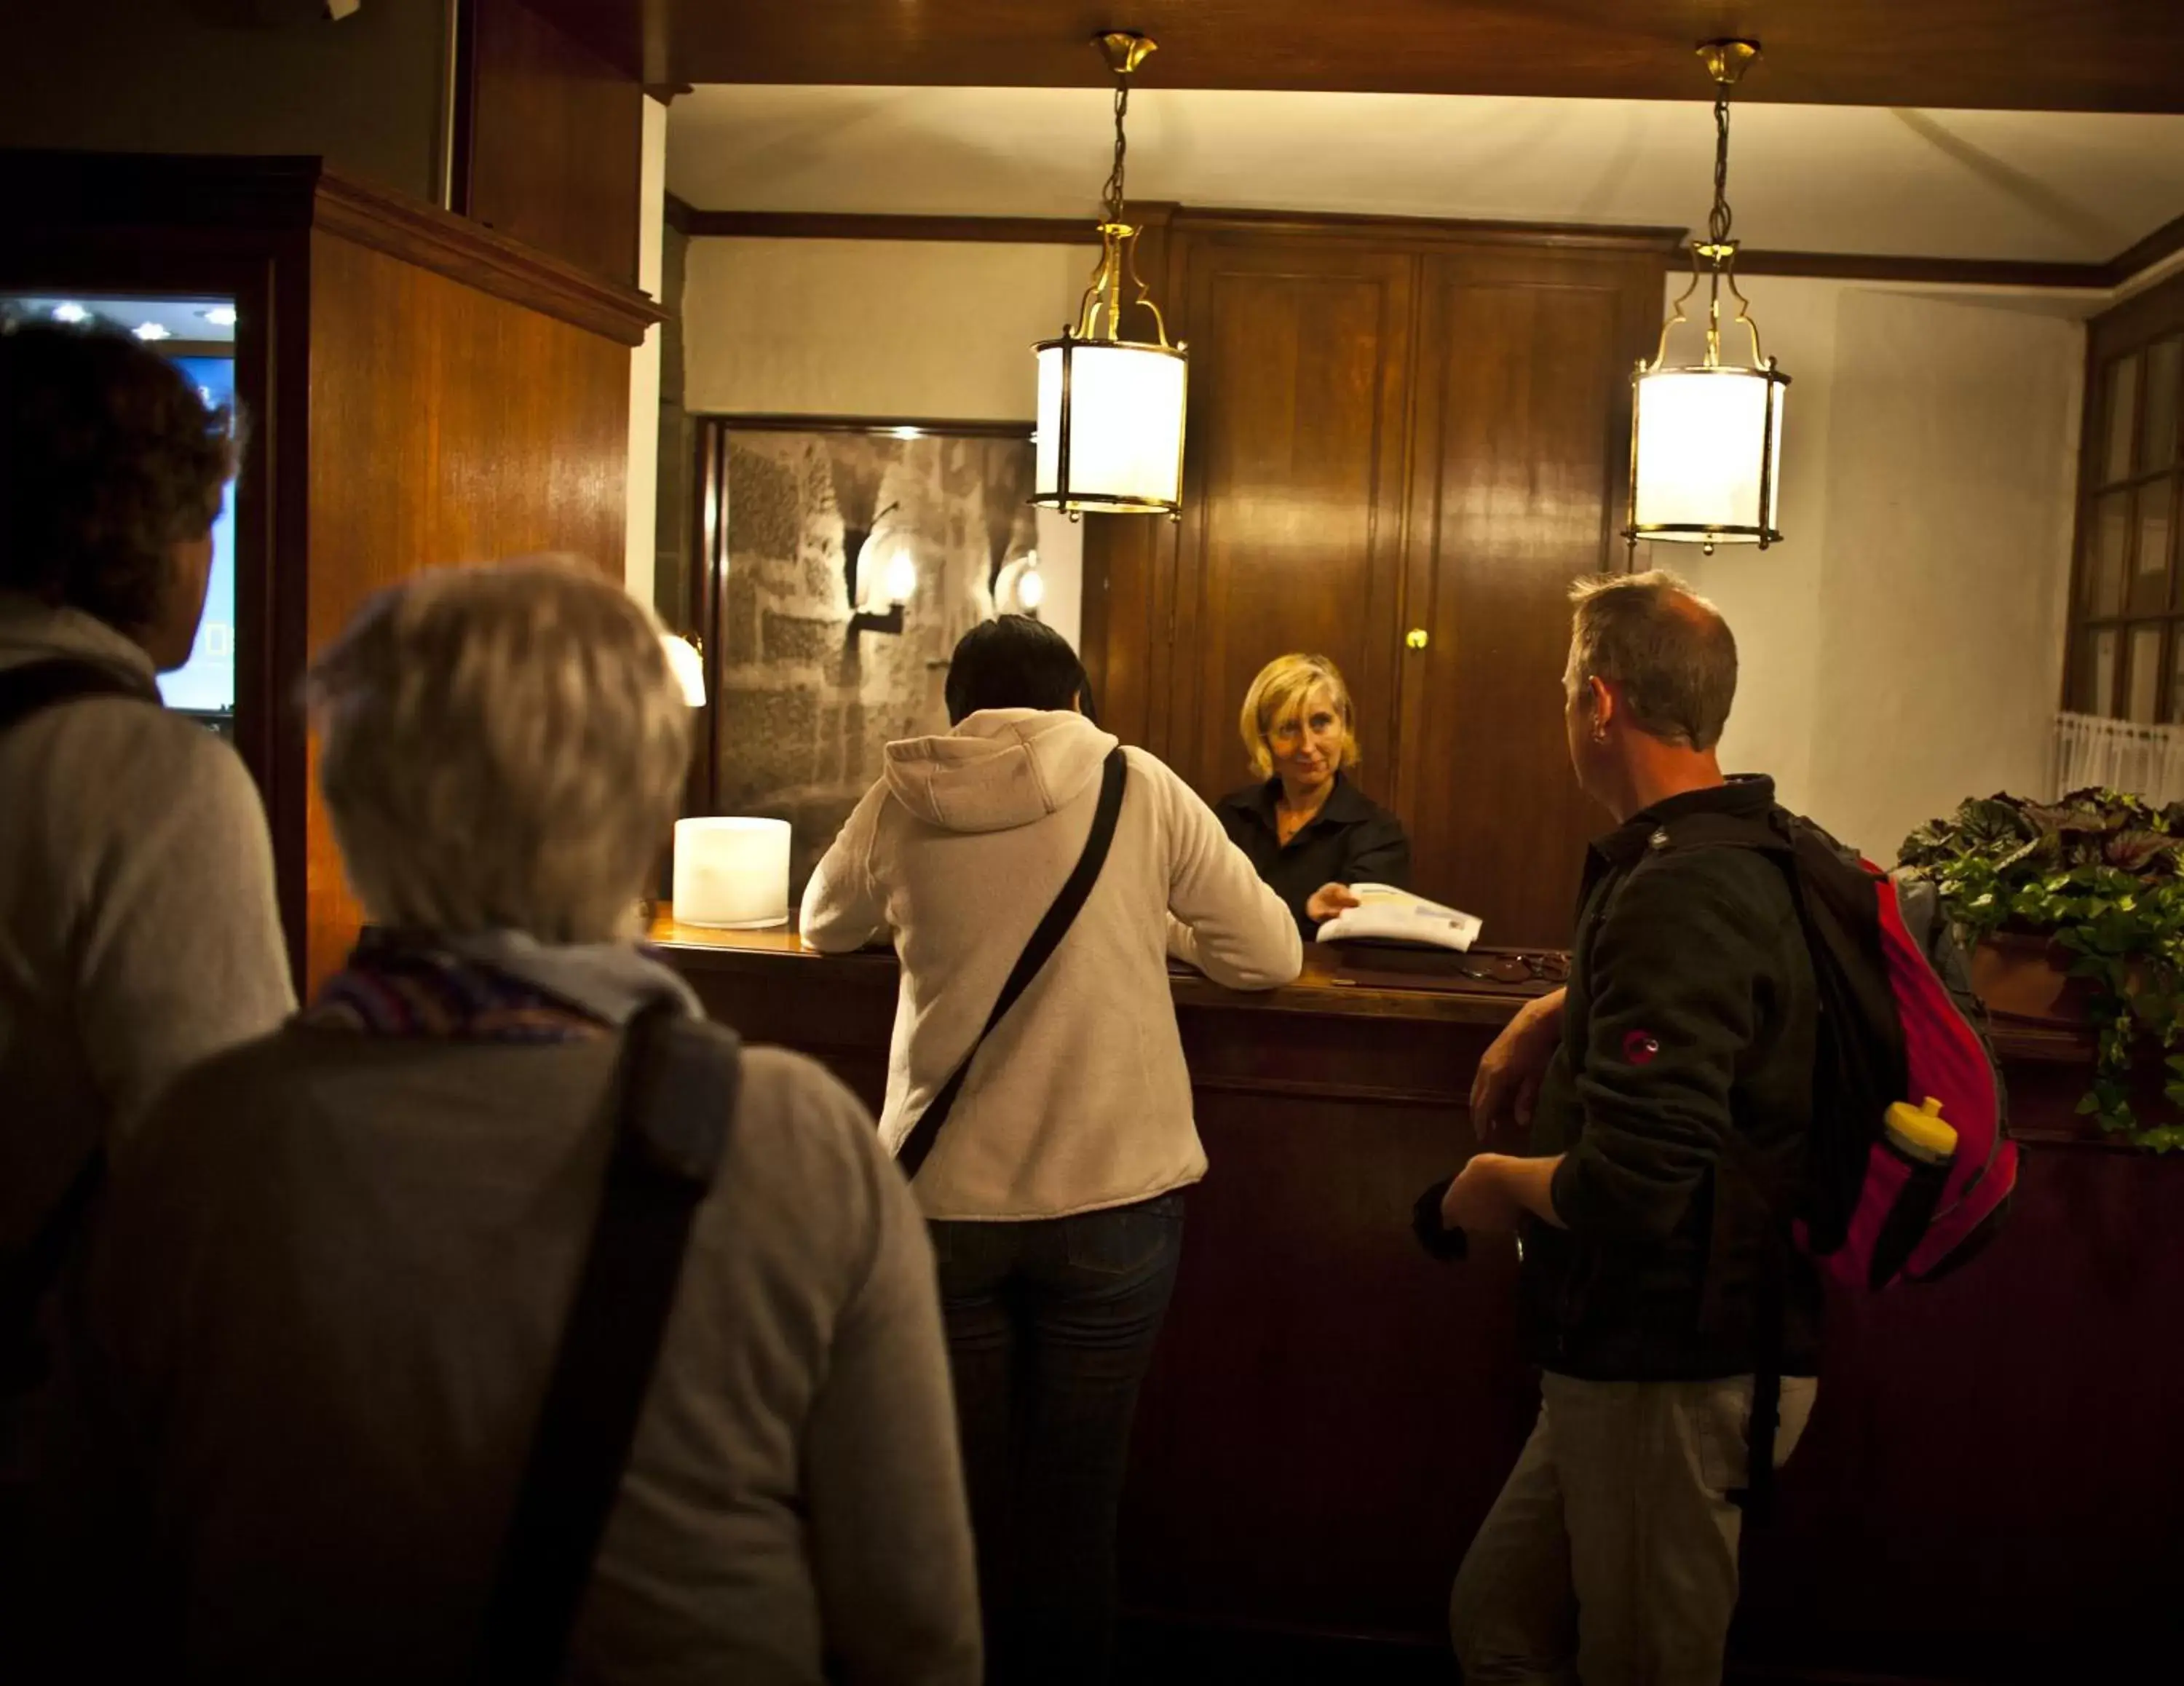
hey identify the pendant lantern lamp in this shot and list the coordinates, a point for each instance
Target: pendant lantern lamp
(1111, 409)
(1705, 437)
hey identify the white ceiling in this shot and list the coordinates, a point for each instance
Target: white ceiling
(2068, 186)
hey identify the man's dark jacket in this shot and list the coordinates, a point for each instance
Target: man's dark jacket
(1680, 1100)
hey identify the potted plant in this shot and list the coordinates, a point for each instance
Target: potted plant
(2077, 907)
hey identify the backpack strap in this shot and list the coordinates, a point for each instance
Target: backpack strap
(1068, 904)
(679, 1081)
(27, 1275)
(1772, 838)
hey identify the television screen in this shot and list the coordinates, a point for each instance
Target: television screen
(198, 335)
(206, 684)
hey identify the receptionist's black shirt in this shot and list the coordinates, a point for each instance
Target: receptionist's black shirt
(1352, 840)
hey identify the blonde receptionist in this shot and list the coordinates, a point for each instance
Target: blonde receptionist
(1306, 826)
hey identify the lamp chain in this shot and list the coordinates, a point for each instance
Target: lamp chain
(1114, 189)
(1719, 220)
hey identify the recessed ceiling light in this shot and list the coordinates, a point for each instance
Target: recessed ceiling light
(70, 313)
(151, 331)
(220, 315)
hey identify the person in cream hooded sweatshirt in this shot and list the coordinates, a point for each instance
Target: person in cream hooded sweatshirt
(1053, 1191)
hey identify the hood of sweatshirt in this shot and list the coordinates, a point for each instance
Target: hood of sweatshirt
(998, 769)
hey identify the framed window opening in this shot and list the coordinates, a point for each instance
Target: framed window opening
(2126, 619)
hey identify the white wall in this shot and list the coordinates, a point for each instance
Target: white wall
(891, 329)
(1903, 648)
(1772, 598)
(908, 328)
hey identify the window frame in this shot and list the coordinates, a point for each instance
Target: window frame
(2128, 332)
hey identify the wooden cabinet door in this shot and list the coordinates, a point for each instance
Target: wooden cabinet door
(1520, 465)
(1291, 540)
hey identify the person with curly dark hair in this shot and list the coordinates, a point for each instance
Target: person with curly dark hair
(138, 929)
(111, 473)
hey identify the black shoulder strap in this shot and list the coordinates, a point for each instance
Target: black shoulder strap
(26, 1275)
(36, 686)
(1044, 941)
(1771, 836)
(678, 1084)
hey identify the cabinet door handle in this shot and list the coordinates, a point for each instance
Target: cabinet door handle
(1416, 639)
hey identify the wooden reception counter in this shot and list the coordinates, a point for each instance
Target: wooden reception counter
(1989, 1489)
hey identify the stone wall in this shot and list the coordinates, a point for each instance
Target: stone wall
(807, 704)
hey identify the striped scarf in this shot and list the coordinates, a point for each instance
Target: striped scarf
(397, 985)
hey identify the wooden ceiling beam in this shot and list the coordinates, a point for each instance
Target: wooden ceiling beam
(2088, 55)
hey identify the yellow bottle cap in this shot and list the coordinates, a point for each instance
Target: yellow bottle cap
(1920, 1130)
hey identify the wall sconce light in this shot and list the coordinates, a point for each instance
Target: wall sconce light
(878, 566)
(1110, 410)
(1019, 588)
(1705, 437)
(685, 659)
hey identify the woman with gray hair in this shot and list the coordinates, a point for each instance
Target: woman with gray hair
(328, 1295)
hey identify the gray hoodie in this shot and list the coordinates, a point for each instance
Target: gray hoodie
(1080, 1098)
(138, 929)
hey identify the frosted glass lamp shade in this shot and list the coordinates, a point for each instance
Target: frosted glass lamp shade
(1110, 436)
(1706, 455)
(731, 874)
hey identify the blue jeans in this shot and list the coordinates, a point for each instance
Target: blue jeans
(1050, 1329)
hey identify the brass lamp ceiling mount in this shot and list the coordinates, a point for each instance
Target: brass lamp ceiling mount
(1125, 49)
(1726, 61)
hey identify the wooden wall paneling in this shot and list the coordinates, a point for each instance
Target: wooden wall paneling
(446, 426)
(1122, 633)
(1329, 1414)
(839, 1010)
(1522, 436)
(550, 139)
(277, 603)
(1293, 500)
(1990, 1487)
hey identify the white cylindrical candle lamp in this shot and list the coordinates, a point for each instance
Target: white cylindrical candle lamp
(732, 873)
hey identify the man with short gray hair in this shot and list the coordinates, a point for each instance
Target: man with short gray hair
(1668, 1090)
